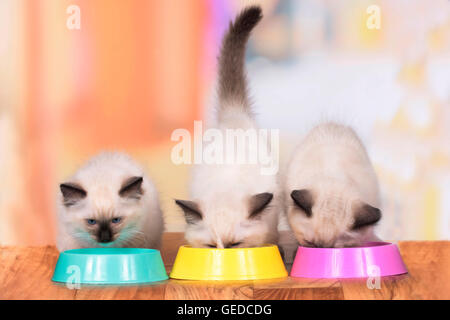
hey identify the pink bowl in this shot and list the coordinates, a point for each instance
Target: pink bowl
(374, 259)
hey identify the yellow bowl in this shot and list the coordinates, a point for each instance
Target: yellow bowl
(228, 264)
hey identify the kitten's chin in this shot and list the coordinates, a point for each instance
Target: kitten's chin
(106, 244)
(350, 244)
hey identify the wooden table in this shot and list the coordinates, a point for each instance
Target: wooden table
(25, 273)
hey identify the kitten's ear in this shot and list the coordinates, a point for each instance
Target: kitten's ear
(258, 203)
(72, 193)
(132, 188)
(304, 200)
(191, 210)
(365, 215)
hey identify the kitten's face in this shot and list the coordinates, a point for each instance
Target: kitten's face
(329, 219)
(105, 229)
(229, 226)
(103, 215)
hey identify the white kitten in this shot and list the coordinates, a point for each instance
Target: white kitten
(109, 202)
(331, 190)
(230, 206)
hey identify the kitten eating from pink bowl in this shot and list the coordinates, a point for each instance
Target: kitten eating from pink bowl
(371, 260)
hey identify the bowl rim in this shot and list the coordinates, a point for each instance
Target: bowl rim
(265, 246)
(133, 251)
(368, 245)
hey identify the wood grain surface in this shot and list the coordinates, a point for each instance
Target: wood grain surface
(25, 273)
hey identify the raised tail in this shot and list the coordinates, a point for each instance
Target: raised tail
(232, 87)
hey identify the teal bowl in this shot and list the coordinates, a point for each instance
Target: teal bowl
(109, 266)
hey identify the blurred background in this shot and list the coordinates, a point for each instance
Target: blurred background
(135, 70)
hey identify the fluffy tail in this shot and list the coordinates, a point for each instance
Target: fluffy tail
(232, 89)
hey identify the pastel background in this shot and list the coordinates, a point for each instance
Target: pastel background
(136, 70)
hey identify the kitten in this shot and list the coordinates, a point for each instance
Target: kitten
(331, 190)
(109, 202)
(230, 206)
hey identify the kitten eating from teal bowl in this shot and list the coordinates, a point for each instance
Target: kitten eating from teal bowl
(110, 266)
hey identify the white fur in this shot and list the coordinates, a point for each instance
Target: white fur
(333, 164)
(223, 192)
(102, 177)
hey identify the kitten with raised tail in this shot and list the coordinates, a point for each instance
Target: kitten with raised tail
(331, 189)
(233, 205)
(109, 202)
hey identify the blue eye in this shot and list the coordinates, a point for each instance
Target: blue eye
(116, 220)
(91, 221)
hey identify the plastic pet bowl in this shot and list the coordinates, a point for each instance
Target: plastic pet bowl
(373, 259)
(110, 266)
(228, 264)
